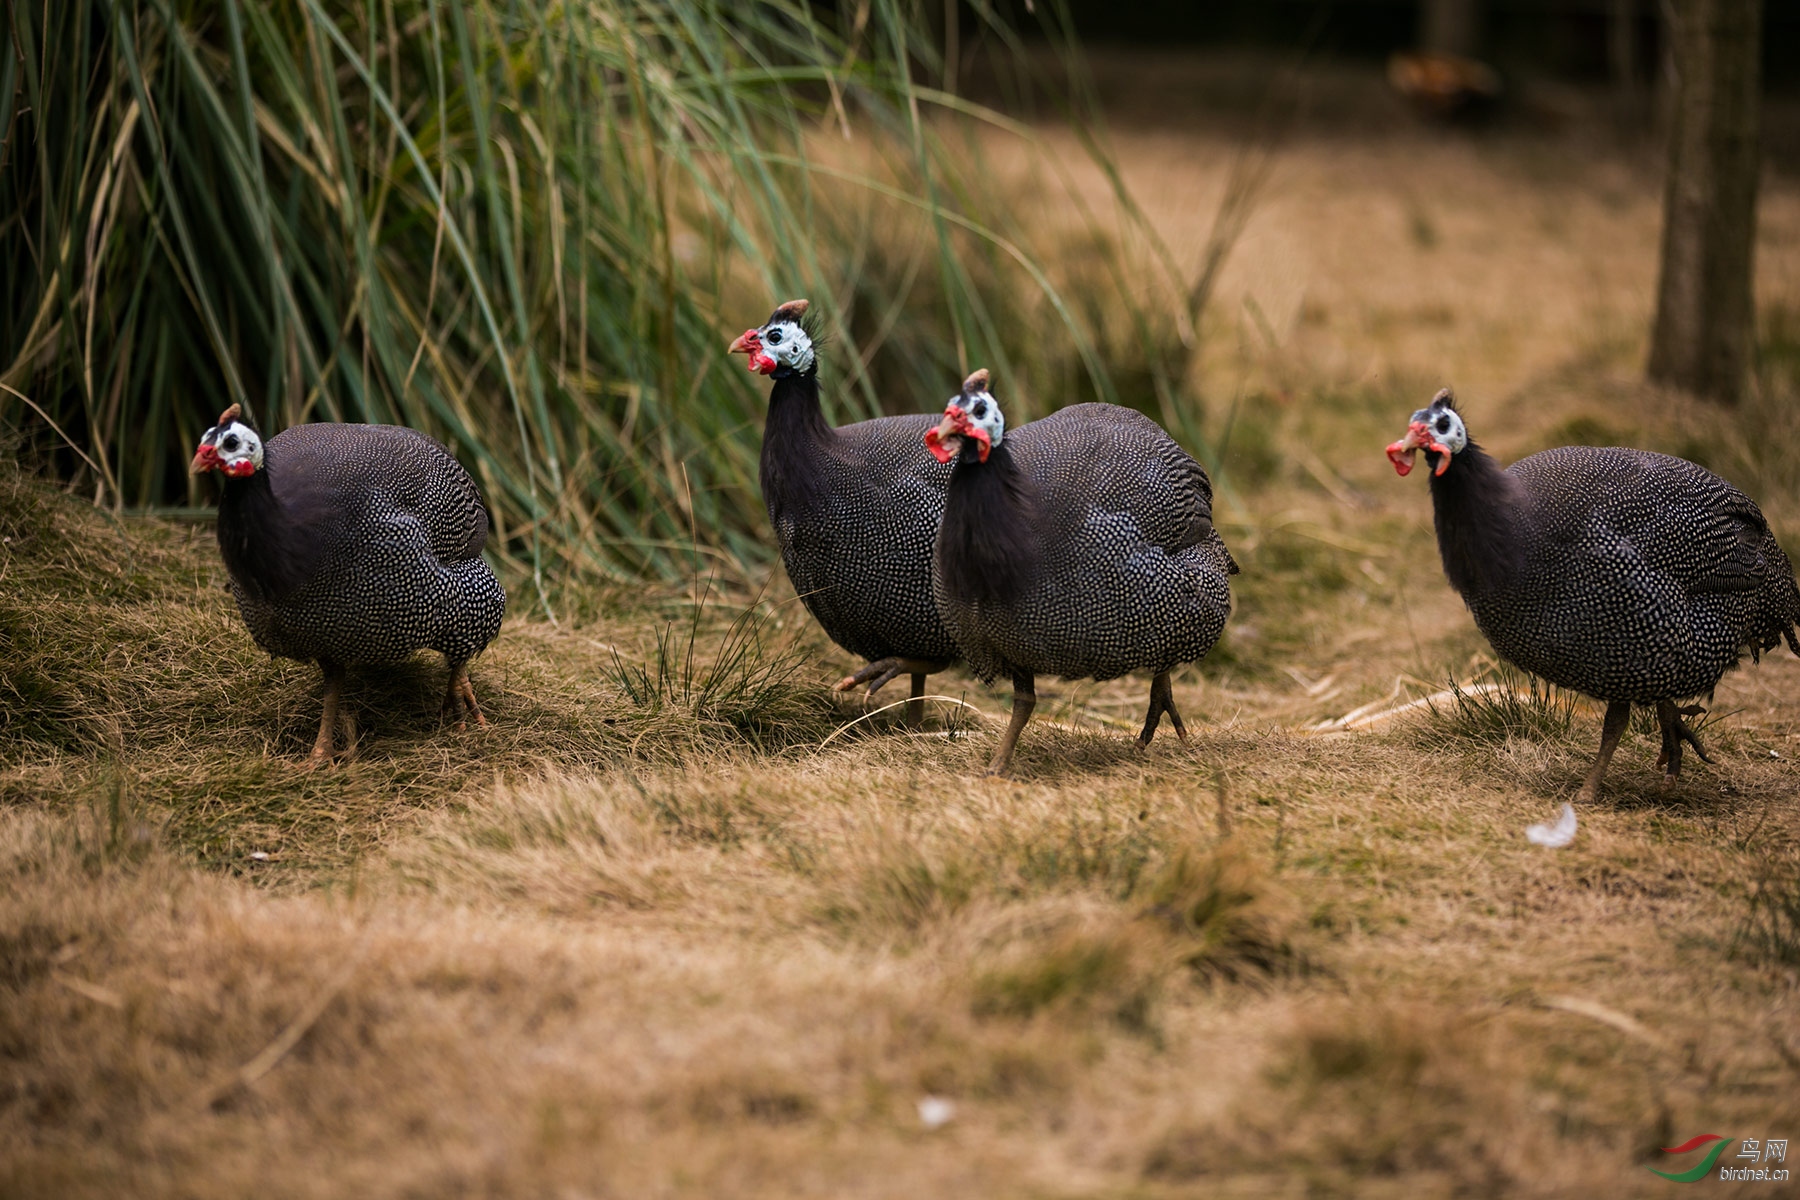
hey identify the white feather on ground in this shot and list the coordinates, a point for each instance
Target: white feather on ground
(1553, 836)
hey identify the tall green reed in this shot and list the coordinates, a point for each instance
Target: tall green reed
(524, 226)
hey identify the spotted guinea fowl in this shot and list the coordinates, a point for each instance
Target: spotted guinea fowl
(354, 544)
(854, 510)
(1633, 577)
(1079, 545)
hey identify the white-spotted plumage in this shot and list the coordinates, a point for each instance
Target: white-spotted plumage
(354, 544)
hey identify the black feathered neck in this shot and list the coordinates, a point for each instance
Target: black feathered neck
(795, 438)
(1480, 514)
(265, 549)
(987, 545)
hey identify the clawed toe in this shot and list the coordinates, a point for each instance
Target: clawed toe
(876, 674)
(1676, 735)
(881, 680)
(460, 703)
(880, 672)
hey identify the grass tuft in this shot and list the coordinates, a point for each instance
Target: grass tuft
(1770, 933)
(1507, 704)
(1073, 972)
(736, 682)
(1226, 918)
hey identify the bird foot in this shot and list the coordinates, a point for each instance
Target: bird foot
(876, 675)
(1675, 733)
(460, 704)
(1143, 739)
(333, 757)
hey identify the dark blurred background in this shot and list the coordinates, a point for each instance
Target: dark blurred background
(1591, 41)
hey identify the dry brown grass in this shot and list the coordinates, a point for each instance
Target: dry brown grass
(614, 947)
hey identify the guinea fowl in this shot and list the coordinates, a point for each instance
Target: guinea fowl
(354, 544)
(854, 510)
(1633, 577)
(1079, 545)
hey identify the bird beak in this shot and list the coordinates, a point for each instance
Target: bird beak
(1418, 437)
(946, 440)
(750, 342)
(205, 459)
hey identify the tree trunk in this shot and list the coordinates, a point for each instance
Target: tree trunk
(1450, 27)
(1704, 309)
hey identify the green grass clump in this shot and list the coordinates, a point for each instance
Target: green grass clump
(1221, 910)
(740, 683)
(1507, 704)
(1076, 971)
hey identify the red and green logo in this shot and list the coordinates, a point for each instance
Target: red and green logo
(1705, 1165)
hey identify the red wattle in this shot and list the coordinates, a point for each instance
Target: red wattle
(1400, 454)
(960, 419)
(751, 345)
(935, 444)
(1444, 462)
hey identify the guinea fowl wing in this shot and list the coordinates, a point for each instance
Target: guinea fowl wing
(330, 477)
(1664, 515)
(1120, 461)
(441, 493)
(884, 453)
(856, 540)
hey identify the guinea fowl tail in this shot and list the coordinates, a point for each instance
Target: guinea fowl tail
(1780, 603)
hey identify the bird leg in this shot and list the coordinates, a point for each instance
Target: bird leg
(1024, 700)
(881, 670)
(460, 697)
(1618, 715)
(1162, 700)
(323, 745)
(1675, 732)
(877, 674)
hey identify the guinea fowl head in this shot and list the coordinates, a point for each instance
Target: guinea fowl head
(972, 419)
(783, 345)
(231, 447)
(1437, 429)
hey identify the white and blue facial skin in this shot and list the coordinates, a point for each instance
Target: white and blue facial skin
(972, 413)
(781, 347)
(1437, 430)
(787, 344)
(233, 448)
(1445, 425)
